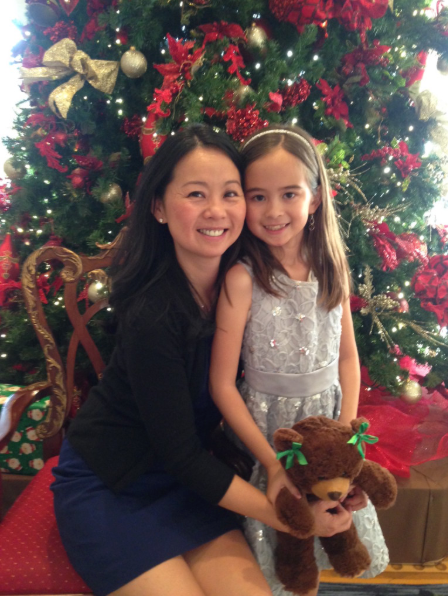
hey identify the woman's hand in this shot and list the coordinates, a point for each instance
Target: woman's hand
(277, 479)
(330, 518)
(356, 499)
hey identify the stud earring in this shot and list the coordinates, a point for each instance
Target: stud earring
(312, 224)
(161, 220)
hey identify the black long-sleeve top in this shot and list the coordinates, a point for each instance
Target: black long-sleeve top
(141, 412)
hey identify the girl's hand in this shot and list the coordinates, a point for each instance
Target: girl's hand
(330, 518)
(277, 479)
(356, 499)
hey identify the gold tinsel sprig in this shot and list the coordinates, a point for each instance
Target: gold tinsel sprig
(386, 307)
(376, 306)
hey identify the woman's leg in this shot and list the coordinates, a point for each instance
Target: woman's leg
(226, 566)
(170, 578)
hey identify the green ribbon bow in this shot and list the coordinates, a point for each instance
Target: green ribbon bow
(359, 438)
(289, 454)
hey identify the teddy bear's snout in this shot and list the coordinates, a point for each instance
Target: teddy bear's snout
(331, 490)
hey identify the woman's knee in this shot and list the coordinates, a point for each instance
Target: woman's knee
(170, 578)
(226, 565)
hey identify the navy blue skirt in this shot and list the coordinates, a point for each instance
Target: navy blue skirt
(113, 538)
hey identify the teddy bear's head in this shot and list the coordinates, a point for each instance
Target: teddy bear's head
(322, 456)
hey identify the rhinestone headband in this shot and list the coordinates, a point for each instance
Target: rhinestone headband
(282, 131)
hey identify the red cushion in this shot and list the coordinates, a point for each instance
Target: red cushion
(33, 560)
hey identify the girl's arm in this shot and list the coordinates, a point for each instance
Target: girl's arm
(349, 372)
(231, 316)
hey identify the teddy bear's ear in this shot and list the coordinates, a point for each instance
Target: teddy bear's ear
(356, 424)
(284, 437)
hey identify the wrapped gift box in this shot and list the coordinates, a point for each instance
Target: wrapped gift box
(416, 527)
(24, 453)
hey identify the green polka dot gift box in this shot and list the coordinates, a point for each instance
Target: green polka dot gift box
(24, 453)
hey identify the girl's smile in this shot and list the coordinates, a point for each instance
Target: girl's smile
(279, 199)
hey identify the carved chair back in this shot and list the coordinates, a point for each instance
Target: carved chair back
(60, 384)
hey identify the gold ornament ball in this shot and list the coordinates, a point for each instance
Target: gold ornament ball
(241, 93)
(411, 392)
(256, 37)
(112, 194)
(133, 63)
(97, 291)
(12, 172)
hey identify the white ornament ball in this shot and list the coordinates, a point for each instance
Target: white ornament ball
(12, 172)
(411, 393)
(133, 63)
(112, 194)
(97, 291)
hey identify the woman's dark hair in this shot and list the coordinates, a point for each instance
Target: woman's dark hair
(146, 254)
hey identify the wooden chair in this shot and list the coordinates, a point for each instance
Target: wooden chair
(32, 560)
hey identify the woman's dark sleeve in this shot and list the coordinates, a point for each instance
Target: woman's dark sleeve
(157, 374)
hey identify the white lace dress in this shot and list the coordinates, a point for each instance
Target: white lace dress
(290, 336)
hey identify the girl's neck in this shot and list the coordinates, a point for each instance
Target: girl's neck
(293, 262)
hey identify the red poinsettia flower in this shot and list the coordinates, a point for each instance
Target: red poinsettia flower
(46, 148)
(409, 163)
(334, 100)
(183, 61)
(357, 15)
(277, 101)
(233, 56)
(356, 303)
(214, 31)
(431, 286)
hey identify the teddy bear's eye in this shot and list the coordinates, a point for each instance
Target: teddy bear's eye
(320, 478)
(345, 475)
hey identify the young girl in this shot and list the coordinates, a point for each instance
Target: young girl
(286, 308)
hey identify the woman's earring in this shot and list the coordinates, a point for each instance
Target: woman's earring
(312, 224)
(161, 220)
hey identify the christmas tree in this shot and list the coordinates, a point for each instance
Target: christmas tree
(108, 80)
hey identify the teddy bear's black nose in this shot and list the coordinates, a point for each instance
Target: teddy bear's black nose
(334, 496)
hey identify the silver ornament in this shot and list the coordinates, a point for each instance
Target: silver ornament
(112, 194)
(133, 63)
(97, 291)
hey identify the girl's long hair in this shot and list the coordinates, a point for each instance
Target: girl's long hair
(322, 247)
(146, 255)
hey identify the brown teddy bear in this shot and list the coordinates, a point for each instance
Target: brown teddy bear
(323, 458)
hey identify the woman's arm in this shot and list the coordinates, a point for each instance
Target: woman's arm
(349, 372)
(329, 516)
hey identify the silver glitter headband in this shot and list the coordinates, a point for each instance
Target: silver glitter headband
(282, 131)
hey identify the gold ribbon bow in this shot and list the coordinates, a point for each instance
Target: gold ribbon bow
(64, 59)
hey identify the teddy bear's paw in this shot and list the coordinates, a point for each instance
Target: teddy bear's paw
(301, 586)
(352, 563)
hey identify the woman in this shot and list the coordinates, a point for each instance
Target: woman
(136, 488)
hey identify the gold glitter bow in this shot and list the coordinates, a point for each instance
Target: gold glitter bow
(64, 59)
